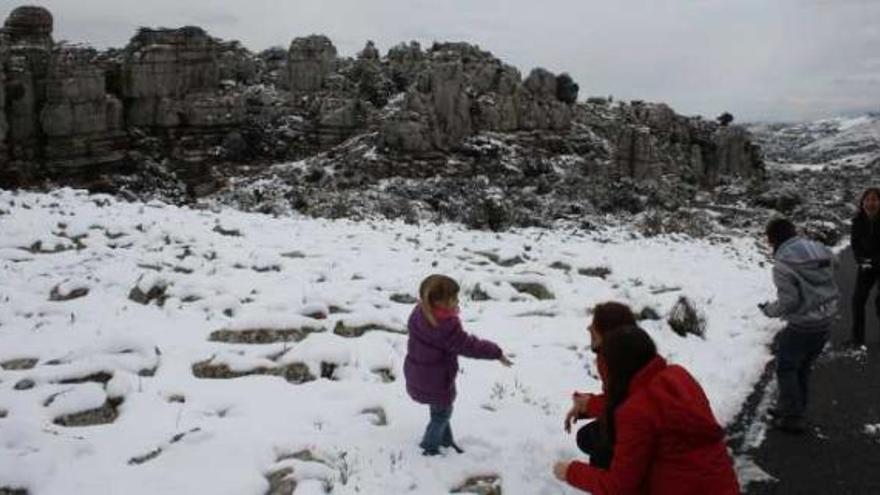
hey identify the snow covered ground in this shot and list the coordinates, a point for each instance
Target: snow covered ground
(272, 348)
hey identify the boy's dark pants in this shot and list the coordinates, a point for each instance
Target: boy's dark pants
(796, 351)
(438, 433)
(589, 440)
(865, 279)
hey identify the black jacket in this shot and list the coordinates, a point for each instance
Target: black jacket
(865, 239)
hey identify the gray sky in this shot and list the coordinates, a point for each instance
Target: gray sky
(759, 59)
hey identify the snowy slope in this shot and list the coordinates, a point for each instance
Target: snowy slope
(843, 141)
(318, 403)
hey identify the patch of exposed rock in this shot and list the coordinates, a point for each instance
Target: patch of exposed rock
(537, 290)
(19, 364)
(353, 331)
(481, 485)
(294, 372)
(105, 414)
(261, 335)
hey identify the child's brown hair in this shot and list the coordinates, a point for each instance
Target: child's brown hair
(436, 289)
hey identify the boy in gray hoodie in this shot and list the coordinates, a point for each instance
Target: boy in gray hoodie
(807, 299)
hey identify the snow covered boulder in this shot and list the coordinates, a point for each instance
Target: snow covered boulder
(19, 364)
(68, 291)
(480, 485)
(149, 288)
(685, 319)
(536, 289)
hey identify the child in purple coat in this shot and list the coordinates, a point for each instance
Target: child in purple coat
(436, 339)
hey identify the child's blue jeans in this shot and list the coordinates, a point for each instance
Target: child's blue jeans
(438, 433)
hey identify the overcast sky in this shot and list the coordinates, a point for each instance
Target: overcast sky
(759, 59)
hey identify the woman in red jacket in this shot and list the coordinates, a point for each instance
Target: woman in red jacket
(666, 439)
(607, 317)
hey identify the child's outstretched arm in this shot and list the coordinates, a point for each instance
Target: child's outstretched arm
(465, 344)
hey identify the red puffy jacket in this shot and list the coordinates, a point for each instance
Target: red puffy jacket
(667, 441)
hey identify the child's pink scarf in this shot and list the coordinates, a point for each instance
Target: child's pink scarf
(444, 313)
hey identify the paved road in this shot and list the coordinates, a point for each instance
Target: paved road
(837, 456)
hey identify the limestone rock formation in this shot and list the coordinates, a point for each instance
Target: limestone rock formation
(652, 140)
(29, 25)
(464, 90)
(4, 125)
(161, 68)
(59, 114)
(450, 132)
(82, 124)
(369, 52)
(310, 60)
(28, 32)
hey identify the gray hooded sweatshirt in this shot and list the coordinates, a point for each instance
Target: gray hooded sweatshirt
(807, 294)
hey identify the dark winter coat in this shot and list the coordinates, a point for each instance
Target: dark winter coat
(865, 239)
(431, 365)
(668, 442)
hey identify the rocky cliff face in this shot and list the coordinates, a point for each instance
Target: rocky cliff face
(653, 140)
(464, 90)
(61, 118)
(28, 45)
(182, 114)
(165, 74)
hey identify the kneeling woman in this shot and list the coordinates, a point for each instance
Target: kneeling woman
(665, 437)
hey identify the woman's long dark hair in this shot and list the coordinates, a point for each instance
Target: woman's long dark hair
(627, 350)
(610, 315)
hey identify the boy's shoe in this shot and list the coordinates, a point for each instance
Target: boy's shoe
(789, 424)
(454, 446)
(430, 452)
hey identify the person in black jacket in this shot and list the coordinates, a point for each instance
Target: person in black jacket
(865, 240)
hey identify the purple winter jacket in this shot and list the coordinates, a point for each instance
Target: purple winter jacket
(431, 364)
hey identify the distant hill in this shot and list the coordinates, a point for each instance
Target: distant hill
(843, 141)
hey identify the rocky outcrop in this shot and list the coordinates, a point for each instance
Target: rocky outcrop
(370, 52)
(4, 125)
(405, 61)
(29, 25)
(161, 69)
(652, 140)
(81, 123)
(28, 38)
(60, 117)
(450, 132)
(464, 90)
(310, 60)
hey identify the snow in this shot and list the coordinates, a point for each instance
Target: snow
(178, 433)
(845, 124)
(832, 143)
(873, 431)
(851, 133)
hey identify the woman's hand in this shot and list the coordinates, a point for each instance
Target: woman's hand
(578, 408)
(571, 418)
(560, 469)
